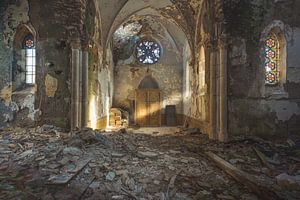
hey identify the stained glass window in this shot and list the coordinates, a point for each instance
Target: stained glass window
(30, 59)
(148, 52)
(272, 56)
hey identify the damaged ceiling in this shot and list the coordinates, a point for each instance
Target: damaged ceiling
(146, 24)
(116, 12)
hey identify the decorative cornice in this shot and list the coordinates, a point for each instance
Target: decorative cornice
(75, 43)
(223, 41)
(207, 41)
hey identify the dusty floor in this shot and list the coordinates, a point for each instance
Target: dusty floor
(147, 163)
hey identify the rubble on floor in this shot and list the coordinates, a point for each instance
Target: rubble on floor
(143, 164)
(273, 164)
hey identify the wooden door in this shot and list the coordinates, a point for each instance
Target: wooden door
(148, 108)
(141, 108)
(154, 108)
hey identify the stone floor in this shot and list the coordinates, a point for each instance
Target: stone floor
(142, 163)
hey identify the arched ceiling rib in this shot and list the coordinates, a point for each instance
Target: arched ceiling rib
(109, 9)
(174, 31)
(182, 13)
(203, 22)
(125, 9)
(143, 25)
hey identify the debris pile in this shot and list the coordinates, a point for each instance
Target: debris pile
(273, 165)
(48, 163)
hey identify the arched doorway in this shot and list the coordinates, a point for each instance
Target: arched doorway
(147, 103)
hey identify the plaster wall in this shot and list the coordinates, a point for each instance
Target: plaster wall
(168, 73)
(100, 71)
(255, 108)
(49, 100)
(196, 99)
(11, 16)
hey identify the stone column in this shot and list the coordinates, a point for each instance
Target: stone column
(80, 90)
(85, 66)
(218, 66)
(223, 135)
(212, 89)
(75, 78)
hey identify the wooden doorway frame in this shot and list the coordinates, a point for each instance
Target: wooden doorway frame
(136, 109)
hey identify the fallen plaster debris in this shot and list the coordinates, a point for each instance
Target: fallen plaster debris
(254, 184)
(67, 176)
(137, 164)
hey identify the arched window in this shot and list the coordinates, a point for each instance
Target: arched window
(272, 59)
(30, 59)
(201, 71)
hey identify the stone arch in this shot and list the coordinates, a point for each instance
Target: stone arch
(122, 18)
(197, 99)
(204, 28)
(93, 21)
(148, 83)
(22, 31)
(170, 32)
(204, 40)
(19, 64)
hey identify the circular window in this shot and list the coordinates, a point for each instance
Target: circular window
(148, 52)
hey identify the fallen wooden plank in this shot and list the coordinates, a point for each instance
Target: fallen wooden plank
(255, 185)
(66, 177)
(87, 186)
(130, 194)
(263, 159)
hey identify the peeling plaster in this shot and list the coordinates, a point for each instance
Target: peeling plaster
(238, 54)
(6, 94)
(261, 109)
(28, 102)
(293, 73)
(285, 110)
(11, 108)
(51, 84)
(161, 8)
(15, 14)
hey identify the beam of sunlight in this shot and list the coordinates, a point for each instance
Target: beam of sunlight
(174, 99)
(92, 112)
(107, 109)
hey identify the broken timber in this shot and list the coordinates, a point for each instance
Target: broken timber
(263, 158)
(65, 178)
(246, 179)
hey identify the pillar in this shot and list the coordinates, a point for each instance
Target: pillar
(75, 79)
(80, 90)
(85, 66)
(218, 66)
(213, 103)
(223, 135)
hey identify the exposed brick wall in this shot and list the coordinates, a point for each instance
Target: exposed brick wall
(62, 18)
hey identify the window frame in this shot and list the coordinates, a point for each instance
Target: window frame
(279, 90)
(30, 59)
(276, 59)
(154, 43)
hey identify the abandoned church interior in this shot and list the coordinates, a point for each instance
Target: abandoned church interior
(150, 99)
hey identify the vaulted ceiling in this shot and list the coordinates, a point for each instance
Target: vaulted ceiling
(182, 13)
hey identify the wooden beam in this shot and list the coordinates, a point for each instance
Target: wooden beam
(66, 177)
(255, 185)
